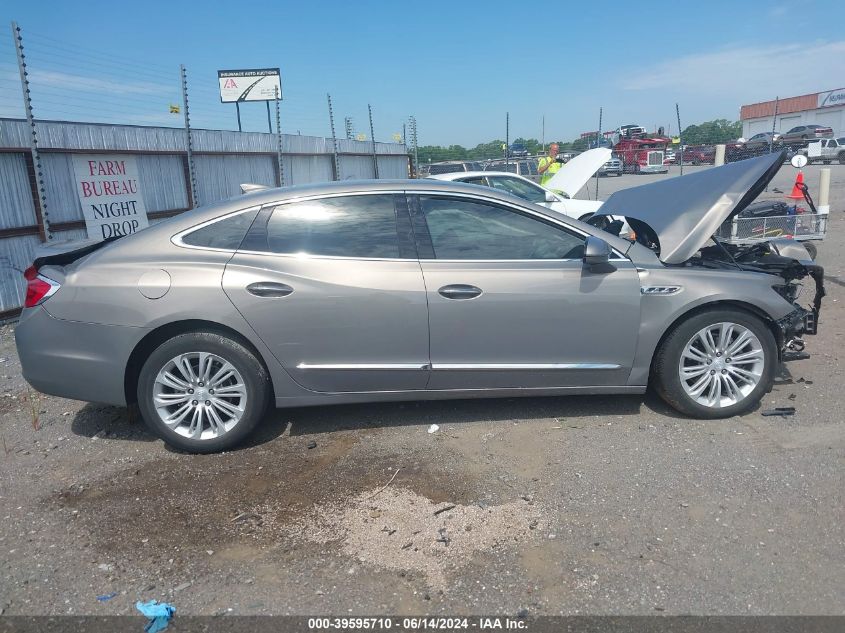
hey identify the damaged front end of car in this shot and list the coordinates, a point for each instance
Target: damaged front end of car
(790, 266)
(679, 220)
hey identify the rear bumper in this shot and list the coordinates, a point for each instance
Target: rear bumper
(70, 359)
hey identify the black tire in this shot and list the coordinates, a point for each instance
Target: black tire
(811, 249)
(842, 158)
(667, 382)
(253, 372)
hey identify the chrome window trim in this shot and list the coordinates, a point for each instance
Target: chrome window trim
(178, 241)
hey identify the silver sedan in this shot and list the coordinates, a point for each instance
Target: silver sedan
(407, 290)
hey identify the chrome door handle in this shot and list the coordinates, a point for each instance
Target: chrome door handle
(460, 291)
(269, 289)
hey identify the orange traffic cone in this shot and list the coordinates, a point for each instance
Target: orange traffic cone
(797, 194)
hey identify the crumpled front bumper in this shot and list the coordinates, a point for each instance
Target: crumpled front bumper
(804, 320)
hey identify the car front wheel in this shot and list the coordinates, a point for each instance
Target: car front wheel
(716, 364)
(202, 392)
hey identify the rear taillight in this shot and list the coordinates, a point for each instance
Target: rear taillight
(38, 287)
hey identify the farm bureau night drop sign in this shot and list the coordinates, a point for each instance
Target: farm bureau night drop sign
(110, 195)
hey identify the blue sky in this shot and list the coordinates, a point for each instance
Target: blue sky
(457, 66)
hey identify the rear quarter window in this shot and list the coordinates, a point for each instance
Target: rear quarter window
(227, 233)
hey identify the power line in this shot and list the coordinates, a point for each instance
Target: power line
(91, 52)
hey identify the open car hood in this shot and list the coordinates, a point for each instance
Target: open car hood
(573, 175)
(684, 212)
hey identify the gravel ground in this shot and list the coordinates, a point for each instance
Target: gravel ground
(598, 505)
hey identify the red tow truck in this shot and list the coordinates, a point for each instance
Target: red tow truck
(642, 154)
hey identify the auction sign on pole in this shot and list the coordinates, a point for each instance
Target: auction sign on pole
(111, 199)
(257, 84)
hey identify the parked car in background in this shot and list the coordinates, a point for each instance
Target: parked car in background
(803, 133)
(613, 167)
(631, 130)
(353, 292)
(528, 190)
(669, 157)
(825, 150)
(518, 150)
(449, 166)
(699, 154)
(525, 168)
(762, 141)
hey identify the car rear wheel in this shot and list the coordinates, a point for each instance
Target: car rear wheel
(202, 392)
(716, 364)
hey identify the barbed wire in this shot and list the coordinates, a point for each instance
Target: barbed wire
(69, 81)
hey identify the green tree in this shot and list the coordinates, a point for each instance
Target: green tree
(710, 132)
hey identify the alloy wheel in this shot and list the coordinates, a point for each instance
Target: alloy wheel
(199, 395)
(721, 364)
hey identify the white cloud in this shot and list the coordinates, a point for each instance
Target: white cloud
(746, 73)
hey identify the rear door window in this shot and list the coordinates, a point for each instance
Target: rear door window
(344, 226)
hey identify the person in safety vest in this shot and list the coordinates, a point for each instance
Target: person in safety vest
(549, 165)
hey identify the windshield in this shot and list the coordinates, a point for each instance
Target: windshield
(518, 187)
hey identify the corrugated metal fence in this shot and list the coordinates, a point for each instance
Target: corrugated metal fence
(222, 161)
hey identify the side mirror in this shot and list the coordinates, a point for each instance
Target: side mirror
(550, 197)
(596, 251)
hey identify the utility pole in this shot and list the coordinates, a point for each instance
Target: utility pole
(598, 144)
(774, 124)
(192, 176)
(507, 139)
(40, 198)
(373, 141)
(544, 134)
(680, 137)
(350, 130)
(334, 139)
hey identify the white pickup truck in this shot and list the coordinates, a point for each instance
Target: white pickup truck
(825, 150)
